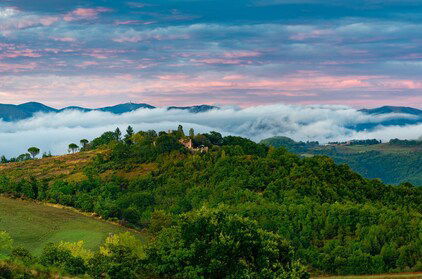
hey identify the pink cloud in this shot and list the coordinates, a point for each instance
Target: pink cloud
(87, 64)
(221, 61)
(125, 77)
(132, 22)
(16, 68)
(241, 54)
(173, 77)
(85, 13)
(314, 34)
(234, 77)
(103, 53)
(48, 20)
(19, 53)
(401, 84)
(64, 39)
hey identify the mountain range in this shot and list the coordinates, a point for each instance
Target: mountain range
(10, 113)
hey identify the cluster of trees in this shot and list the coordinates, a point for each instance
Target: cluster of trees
(390, 167)
(290, 145)
(334, 220)
(31, 154)
(405, 142)
(394, 164)
(34, 151)
(207, 243)
(358, 142)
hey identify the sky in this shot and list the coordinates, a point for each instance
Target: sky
(225, 52)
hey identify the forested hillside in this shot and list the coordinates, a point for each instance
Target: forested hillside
(226, 207)
(394, 162)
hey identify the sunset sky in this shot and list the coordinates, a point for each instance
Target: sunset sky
(227, 52)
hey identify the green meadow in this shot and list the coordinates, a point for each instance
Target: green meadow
(33, 225)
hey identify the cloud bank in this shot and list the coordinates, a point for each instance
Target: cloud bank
(324, 123)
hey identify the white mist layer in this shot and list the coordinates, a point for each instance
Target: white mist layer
(53, 132)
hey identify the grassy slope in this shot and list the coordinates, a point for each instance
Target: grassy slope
(33, 225)
(67, 167)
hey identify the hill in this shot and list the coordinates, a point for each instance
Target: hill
(394, 162)
(10, 112)
(401, 116)
(26, 110)
(393, 109)
(327, 217)
(195, 109)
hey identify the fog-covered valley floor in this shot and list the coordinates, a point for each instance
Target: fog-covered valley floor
(54, 131)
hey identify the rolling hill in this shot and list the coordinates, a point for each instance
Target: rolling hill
(393, 109)
(392, 163)
(227, 196)
(9, 112)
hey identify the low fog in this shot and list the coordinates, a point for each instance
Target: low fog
(53, 132)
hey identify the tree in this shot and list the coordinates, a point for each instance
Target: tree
(118, 133)
(60, 256)
(22, 157)
(34, 151)
(83, 142)
(191, 133)
(128, 136)
(105, 138)
(3, 159)
(73, 147)
(46, 155)
(180, 132)
(212, 243)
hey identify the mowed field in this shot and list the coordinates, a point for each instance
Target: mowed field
(33, 225)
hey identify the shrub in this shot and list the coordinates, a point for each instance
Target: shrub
(212, 243)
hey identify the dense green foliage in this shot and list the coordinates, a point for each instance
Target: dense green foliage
(203, 244)
(289, 144)
(396, 162)
(212, 211)
(393, 168)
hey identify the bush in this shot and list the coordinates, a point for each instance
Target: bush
(53, 255)
(211, 243)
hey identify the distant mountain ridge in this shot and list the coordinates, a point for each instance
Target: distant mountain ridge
(393, 109)
(10, 113)
(414, 117)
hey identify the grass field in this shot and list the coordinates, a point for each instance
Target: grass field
(378, 276)
(33, 225)
(68, 167)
